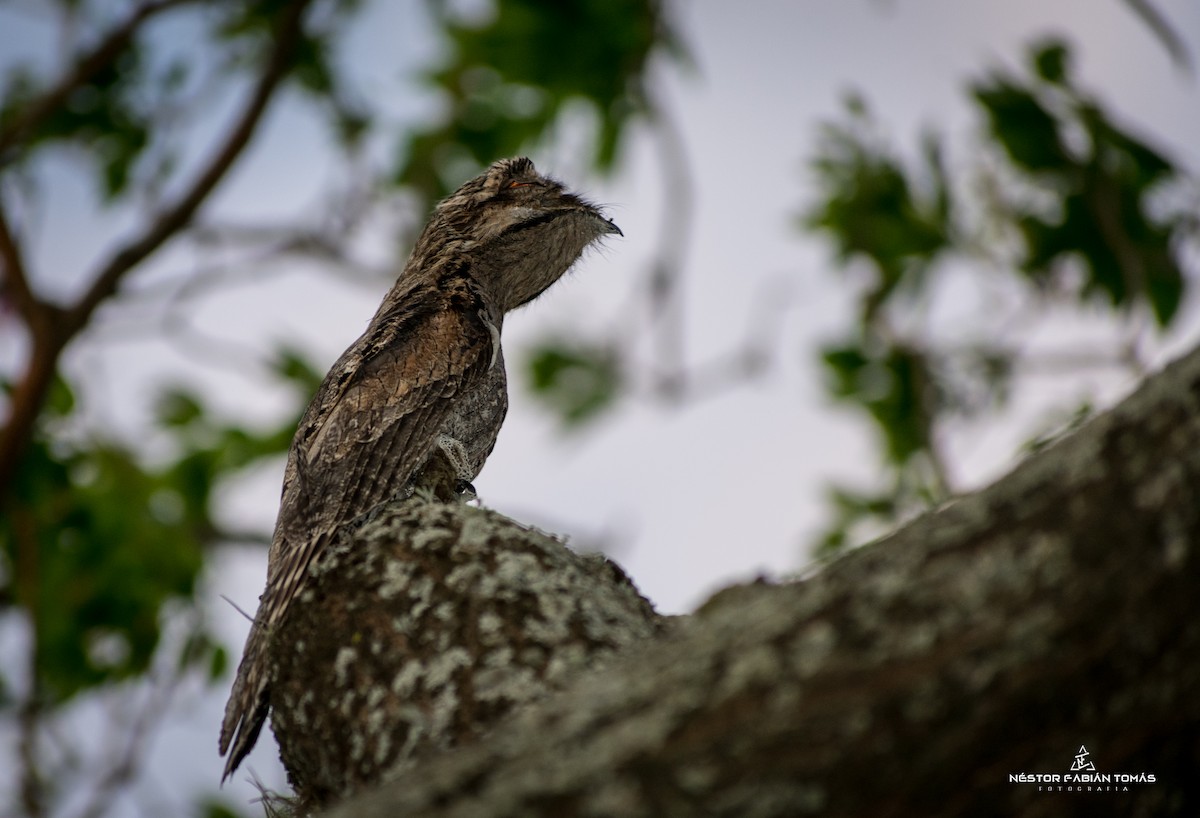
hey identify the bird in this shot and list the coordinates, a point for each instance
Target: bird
(416, 402)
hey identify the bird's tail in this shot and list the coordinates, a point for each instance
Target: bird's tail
(248, 704)
(249, 701)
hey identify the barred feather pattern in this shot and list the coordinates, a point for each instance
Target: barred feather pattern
(428, 369)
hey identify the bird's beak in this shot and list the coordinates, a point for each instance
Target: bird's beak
(611, 227)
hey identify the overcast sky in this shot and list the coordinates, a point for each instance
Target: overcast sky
(687, 497)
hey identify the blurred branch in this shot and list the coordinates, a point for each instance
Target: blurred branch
(1071, 362)
(16, 281)
(105, 281)
(166, 309)
(86, 67)
(127, 758)
(1162, 29)
(743, 364)
(40, 319)
(32, 788)
(263, 245)
(31, 392)
(665, 293)
(242, 536)
(25, 584)
(322, 244)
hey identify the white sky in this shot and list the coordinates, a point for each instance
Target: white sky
(687, 498)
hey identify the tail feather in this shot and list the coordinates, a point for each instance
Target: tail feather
(246, 736)
(249, 701)
(248, 705)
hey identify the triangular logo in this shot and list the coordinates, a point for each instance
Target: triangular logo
(1081, 762)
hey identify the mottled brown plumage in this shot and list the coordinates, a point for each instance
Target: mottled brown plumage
(418, 399)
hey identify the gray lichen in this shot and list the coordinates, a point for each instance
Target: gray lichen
(427, 626)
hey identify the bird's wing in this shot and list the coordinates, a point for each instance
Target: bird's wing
(380, 409)
(373, 422)
(383, 419)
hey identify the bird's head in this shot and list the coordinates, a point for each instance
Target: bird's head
(520, 230)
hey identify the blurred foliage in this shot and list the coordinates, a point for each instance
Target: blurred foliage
(95, 541)
(575, 380)
(216, 809)
(510, 79)
(1081, 207)
(123, 117)
(1104, 187)
(249, 29)
(101, 115)
(892, 385)
(97, 544)
(102, 541)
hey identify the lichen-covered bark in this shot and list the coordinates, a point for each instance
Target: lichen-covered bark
(1057, 608)
(423, 628)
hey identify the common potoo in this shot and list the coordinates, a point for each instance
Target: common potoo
(418, 399)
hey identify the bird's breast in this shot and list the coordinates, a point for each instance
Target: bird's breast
(478, 414)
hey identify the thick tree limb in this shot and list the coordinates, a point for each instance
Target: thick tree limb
(423, 629)
(991, 638)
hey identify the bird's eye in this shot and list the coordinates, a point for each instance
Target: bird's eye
(514, 183)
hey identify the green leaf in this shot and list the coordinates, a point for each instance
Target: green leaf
(575, 380)
(1022, 126)
(510, 81)
(1103, 189)
(1081, 206)
(854, 513)
(218, 663)
(96, 543)
(105, 566)
(1050, 61)
(291, 365)
(178, 407)
(869, 208)
(893, 385)
(60, 401)
(212, 808)
(1125, 155)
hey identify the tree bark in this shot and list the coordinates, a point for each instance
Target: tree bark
(423, 628)
(916, 676)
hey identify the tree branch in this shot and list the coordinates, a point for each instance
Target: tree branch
(27, 591)
(16, 279)
(1168, 36)
(664, 284)
(42, 320)
(31, 392)
(915, 676)
(176, 217)
(435, 591)
(126, 757)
